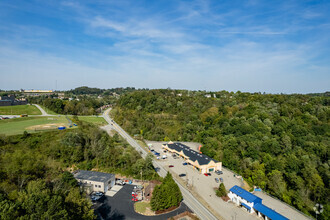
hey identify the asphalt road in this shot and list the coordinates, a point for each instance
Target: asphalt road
(121, 207)
(190, 201)
(43, 112)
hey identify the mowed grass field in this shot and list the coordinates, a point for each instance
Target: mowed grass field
(31, 124)
(37, 124)
(19, 109)
(93, 119)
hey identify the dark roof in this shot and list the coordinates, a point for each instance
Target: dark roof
(93, 176)
(268, 212)
(245, 194)
(193, 155)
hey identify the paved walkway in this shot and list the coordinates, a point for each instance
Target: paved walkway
(43, 112)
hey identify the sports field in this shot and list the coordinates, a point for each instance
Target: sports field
(19, 109)
(31, 124)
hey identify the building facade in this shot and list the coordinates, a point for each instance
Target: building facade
(93, 181)
(200, 162)
(11, 100)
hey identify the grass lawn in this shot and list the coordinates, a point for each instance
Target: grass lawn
(142, 206)
(48, 111)
(31, 124)
(93, 119)
(19, 109)
(143, 144)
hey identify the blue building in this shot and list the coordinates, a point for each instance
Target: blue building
(253, 203)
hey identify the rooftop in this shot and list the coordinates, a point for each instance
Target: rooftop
(93, 176)
(193, 155)
(268, 212)
(245, 194)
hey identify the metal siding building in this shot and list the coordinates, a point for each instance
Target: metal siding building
(253, 203)
(95, 181)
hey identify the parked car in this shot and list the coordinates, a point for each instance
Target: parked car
(120, 182)
(209, 174)
(99, 194)
(205, 174)
(184, 163)
(218, 172)
(216, 180)
(182, 175)
(221, 180)
(170, 166)
(94, 198)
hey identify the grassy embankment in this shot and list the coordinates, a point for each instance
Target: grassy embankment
(48, 111)
(141, 207)
(19, 109)
(93, 119)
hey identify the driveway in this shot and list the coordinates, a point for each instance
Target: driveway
(120, 206)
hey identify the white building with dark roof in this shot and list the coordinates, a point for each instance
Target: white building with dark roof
(94, 181)
(201, 162)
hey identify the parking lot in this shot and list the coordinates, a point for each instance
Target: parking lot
(121, 206)
(204, 186)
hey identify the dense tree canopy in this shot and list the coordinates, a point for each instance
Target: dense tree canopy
(33, 184)
(278, 142)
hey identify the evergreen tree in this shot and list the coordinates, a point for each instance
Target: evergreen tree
(166, 195)
(222, 190)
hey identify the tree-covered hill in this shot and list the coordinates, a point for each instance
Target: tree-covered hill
(278, 142)
(33, 184)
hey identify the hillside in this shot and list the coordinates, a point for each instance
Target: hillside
(33, 180)
(278, 142)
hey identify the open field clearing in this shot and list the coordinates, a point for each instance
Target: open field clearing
(31, 124)
(19, 109)
(93, 119)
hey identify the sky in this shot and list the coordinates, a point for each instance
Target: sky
(247, 45)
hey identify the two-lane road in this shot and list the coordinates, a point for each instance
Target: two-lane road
(189, 199)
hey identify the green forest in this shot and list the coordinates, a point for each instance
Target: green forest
(86, 105)
(34, 183)
(275, 141)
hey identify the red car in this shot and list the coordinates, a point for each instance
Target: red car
(170, 166)
(205, 174)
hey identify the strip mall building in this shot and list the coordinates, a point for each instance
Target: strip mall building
(200, 162)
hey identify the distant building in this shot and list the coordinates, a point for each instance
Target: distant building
(201, 162)
(253, 203)
(10, 100)
(34, 92)
(93, 181)
(208, 95)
